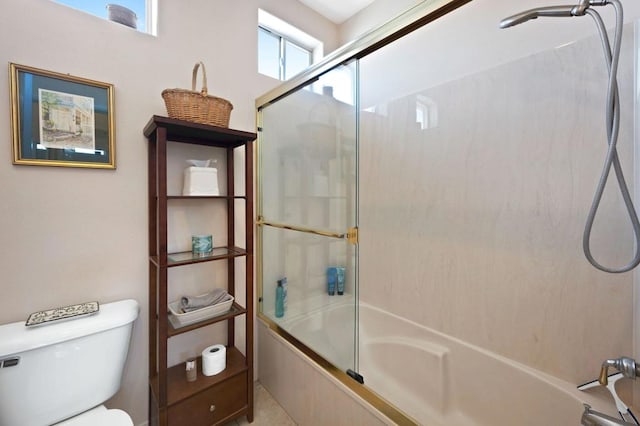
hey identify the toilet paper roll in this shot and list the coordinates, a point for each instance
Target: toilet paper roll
(214, 360)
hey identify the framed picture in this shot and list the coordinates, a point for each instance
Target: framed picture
(60, 120)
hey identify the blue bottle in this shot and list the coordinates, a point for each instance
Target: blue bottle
(283, 282)
(332, 278)
(340, 276)
(279, 300)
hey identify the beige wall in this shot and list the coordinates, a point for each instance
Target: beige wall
(372, 16)
(71, 235)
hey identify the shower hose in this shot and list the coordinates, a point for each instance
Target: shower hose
(612, 118)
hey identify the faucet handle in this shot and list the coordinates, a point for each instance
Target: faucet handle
(604, 374)
(625, 365)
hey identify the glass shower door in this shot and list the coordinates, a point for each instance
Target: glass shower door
(307, 215)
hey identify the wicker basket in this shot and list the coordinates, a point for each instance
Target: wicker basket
(198, 107)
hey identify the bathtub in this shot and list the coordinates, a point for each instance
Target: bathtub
(438, 380)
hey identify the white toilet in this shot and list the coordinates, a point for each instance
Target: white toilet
(61, 372)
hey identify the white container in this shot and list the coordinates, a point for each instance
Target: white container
(179, 319)
(201, 181)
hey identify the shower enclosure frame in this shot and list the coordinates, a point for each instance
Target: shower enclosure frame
(407, 22)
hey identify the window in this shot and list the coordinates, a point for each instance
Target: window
(143, 9)
(283, 50)
(279, 57)
(268, 53)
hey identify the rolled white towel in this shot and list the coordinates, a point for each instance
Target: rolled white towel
(192, 303)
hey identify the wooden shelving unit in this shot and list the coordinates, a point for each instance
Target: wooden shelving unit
(228, 395)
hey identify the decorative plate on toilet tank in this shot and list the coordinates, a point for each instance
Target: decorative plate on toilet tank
(65, 312)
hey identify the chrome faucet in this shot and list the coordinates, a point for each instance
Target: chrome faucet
(625, 365)
(594, 418)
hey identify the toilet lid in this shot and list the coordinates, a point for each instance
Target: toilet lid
(99, 416)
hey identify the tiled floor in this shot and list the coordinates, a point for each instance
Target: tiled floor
(267, 411)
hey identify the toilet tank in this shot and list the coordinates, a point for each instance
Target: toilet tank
(54, 371)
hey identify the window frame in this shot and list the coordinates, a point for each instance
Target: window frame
(282, 50)
(150, 15)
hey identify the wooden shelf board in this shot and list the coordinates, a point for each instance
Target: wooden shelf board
(233, 312)
(205, 197)
(196, 133)
(178, 387)
(187, 258)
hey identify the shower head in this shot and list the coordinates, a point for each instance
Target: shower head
(555, 11)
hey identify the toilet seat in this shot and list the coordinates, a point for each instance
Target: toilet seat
(99, 416)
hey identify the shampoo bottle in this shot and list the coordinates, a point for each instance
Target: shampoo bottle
(283, 282)
(332, 277)
(340, 276)
(279, 300)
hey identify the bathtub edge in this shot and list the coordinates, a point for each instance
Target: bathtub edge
(378, 407)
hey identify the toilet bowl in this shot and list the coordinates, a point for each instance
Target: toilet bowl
(99, 416)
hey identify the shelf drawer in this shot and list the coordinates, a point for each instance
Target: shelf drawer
(212, 405)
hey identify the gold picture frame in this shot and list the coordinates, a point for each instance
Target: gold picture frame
(61, 120)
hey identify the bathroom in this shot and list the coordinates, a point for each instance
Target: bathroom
(77, 235)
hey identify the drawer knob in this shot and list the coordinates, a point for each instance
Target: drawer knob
(212, 408)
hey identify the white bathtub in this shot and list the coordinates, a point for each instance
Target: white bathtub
(438, 380)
